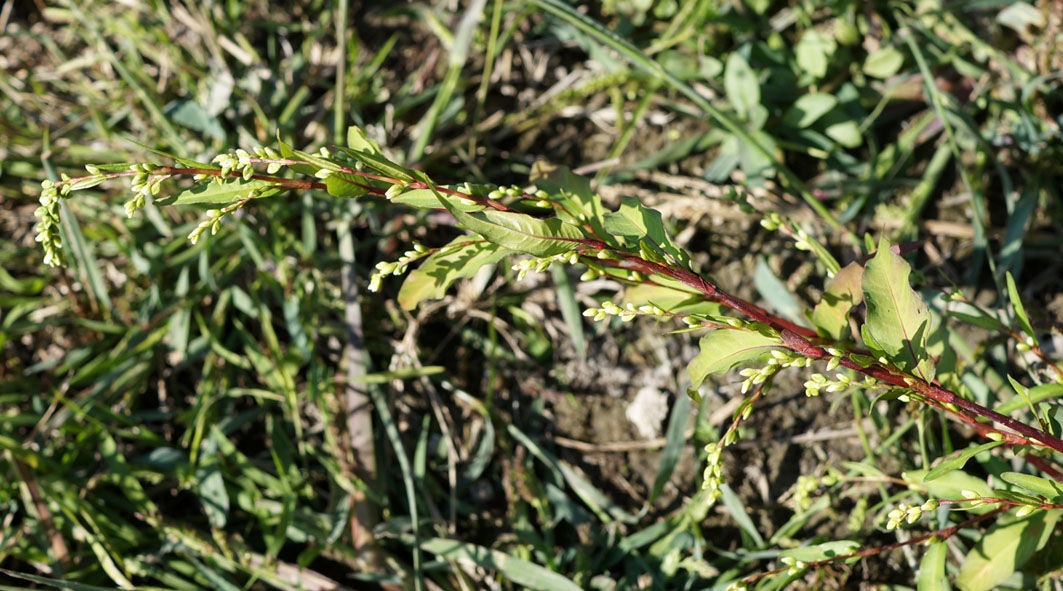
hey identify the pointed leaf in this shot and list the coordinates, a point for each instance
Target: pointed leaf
(518, 231)
(638, 224)
(346, 185)
(813, 52)
(570, 310)
(357, 140)
(774, 291)
(574, 193)
(844, 291)
(463, 257)
(722, 349)
(287, 152)
(228, 191)
(186, 162)
(808, 108)
(739, 513)
(897, 318)
(1037, 394)
(1018, 497)
(1020, 310)
(675, 444)
(426, 199)
(677, 300)
(950, 486)
(1004, 549)
(932, 568)
(957, 460)
(521, 572)
(212, 494)
(822, 551)
(741, 84)
(1053, 491)
(380, 164)
(883, 62)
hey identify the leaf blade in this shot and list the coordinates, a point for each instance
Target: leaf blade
(957, 460)
(228, 191)
(460, 258)
(518, 231)
(722, 349)
(897, 318)
(521, 572)
(1004, 548)
(844, 291)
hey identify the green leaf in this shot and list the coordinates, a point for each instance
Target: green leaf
(317, 161)
(957, 460)
(871, 344)
(575, 194)
(932, 575)
(741, 84)
(57, 583)
(84, 256)
(1011, 251)
(1051, 490)
(186, 162)
(380, 164)
(844, 290)
(599, 502)
(518, 231)
(675, 444)
(754, 161)
(817, 249)
(978, 320)
(346, 185)
(738, 512)
(288, 153)
(228, 191)
(1004, 548)
(846, 132)
(808, 108)
(639, 224)
(570, 310)
(821, 551)
(212, 494)
(359, 142)
(1018, 497)
(587, 25)
(813, 52)
(897, 318)
(407, 373)
(724, 348)
(192, 115)
(678, 299)
(883, 62)
(462, 257)
(1020, 310)
(520, 572)
(427, 199)
(950, 486)
(1022, 17)
(1037, 394)
(774, 291)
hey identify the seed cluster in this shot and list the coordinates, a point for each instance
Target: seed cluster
(399, 267)
(905, 513)
(47, 227)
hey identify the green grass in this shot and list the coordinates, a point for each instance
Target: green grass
(242, 413)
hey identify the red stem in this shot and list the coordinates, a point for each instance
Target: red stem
(940, 533)
(794, 336)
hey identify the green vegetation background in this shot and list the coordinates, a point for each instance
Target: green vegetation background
(176, 416)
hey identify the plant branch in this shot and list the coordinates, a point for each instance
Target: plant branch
(942, 533)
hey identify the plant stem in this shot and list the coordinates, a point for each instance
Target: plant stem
(940, 533)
